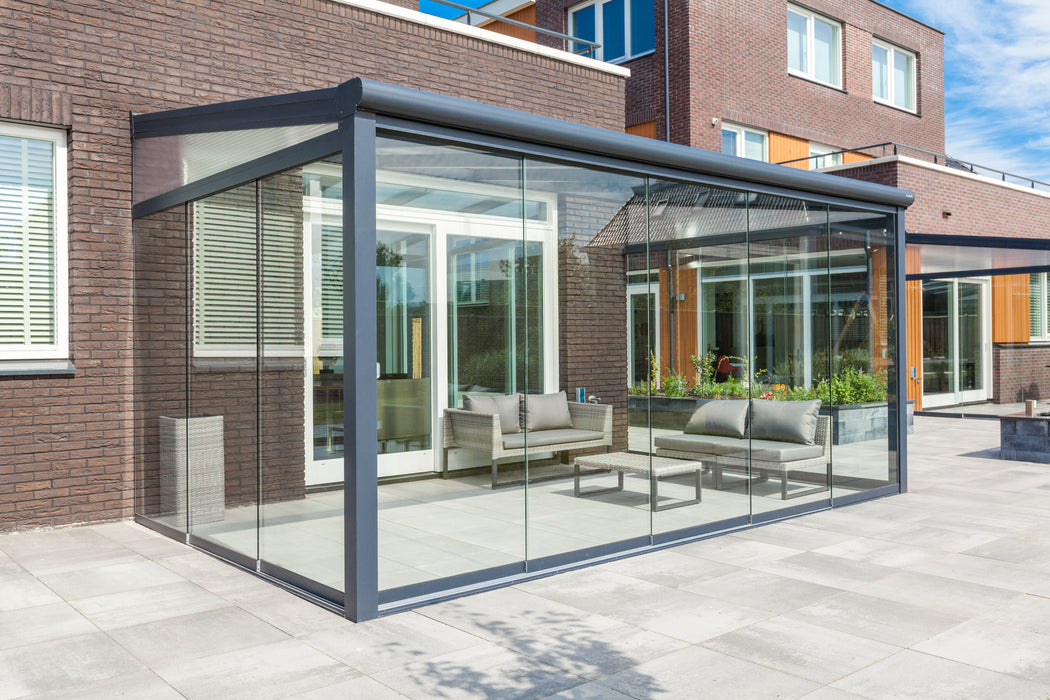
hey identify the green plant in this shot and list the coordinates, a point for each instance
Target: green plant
(852, 386)
(675, 385)
(641, 389)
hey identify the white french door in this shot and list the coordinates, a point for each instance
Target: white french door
(956, 341)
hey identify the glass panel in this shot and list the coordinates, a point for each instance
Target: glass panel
(903, 72)
(825, 52)
(788, 251)
(161, 341)
(880, 72)
(754, 145)
(643, 27)
(729, 142)
(222, 425)
(454, 275)
(796, 39)
(938, 337)
(1036, 304)
(860, 328)
(584, 352)
(583, 26)
(971, 351)
(613, 30)
(165, 162)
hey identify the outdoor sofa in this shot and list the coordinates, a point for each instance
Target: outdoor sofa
(507, 428)
(768, 436)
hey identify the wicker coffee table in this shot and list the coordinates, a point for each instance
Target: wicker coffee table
(655, 468)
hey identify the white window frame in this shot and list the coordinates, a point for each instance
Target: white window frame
(1043, 332)
(59, 350)
(810, 74)
(598, 30)
(819, 153)
(740, 130)
(914, 93)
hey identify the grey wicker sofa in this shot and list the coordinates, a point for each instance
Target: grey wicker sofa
(766, 436)
(586, 426)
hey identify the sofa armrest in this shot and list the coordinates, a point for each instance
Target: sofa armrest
(591, 416)
(823, 434)
(473, 430)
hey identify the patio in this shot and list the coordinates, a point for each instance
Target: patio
(940, 592)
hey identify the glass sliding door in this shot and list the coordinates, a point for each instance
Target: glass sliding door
(955, 341)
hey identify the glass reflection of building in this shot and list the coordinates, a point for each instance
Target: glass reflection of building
(435, 266)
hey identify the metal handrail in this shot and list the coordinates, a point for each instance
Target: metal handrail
(938, 159)
(589, 46)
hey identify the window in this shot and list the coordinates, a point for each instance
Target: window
(814, 46)
(744, 142)
(893, 75)
(34, 282)
(624, 28)
(822, 156)
(1037, 318)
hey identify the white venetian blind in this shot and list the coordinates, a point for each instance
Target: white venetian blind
(230, 295)
(1036, 305)
(27, 242)
(332, 281)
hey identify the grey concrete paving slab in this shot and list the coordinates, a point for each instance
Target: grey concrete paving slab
(362, 687)
(60, 663)
(22, 590)
(996, 647)
(938, 593)
(91, 581)
(273, 670)
(147, 604)
(671, 568)
(826, 570)
(911, 675)
(141, 685)
(589, 691)
(25, 626)
(802, 649)
(764, 591)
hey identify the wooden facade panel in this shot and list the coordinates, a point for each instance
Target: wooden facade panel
(913, 339)
(1010, 309)
(646, 129)
(526, 15)
(679, 316)
(848, 158)
(783, 148)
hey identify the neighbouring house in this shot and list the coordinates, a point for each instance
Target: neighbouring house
(273, 287)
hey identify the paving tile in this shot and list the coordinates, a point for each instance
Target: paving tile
(801, 649)
(363, 687)
(825, 570)
(390, 642)
(589, 691)
(829, 693)
(258, 672)
(41, 623)
(61, 663)
(911, 675)
(141, 605)
(669, 567)
(735, 550)
(985, 571)
(883, 620)
(1027, 612)
(193, 636)
(69, 549)
(764, 591)
(881, 552)
(996, 647)
(142, 685)
(794, 535)
(696, 672)
(487, 671)
(937, 593)
(89, 582)
(23, 590)
(285, 611)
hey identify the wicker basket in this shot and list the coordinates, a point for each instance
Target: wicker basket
(193, 445)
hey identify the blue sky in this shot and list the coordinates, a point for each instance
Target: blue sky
(997, 78)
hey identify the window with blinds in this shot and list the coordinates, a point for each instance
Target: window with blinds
(1037, 307)
(248, 271)
(33, 276)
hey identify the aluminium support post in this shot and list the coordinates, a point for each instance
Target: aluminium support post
(360, 505)
(900, 311)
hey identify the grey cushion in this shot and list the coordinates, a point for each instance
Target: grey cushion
(505, 406)
(547, 411)
(774, 451)
(785, 421)
(702, 444)
(549, 437)
(718, 417)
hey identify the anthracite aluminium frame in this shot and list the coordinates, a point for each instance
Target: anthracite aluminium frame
(363, 108)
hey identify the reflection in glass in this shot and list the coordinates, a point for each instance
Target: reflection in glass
(938, 337)
(971, 365)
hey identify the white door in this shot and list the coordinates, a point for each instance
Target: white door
(956, 341)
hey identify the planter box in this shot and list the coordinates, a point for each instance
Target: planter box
(1024, 438)
(852, 423)
(192, 468)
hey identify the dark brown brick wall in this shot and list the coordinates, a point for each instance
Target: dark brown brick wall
(1020, 372)
(66, 447)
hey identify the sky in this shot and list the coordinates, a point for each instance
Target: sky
(997, 78)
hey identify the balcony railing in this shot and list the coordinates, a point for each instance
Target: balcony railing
(891, 148)
(569, 43)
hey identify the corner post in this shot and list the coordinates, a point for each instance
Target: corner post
(900, 364)
(360, 504)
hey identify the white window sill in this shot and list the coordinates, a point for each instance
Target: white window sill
(15, 368)
(627, 59)
(885, 103)
(811, 79)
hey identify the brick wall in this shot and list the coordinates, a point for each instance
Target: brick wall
(1020, 372)
(66, 447)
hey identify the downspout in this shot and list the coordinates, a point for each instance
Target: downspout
(667, 82)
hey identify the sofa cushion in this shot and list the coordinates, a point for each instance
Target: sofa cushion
(549, 437)
(719, 417)
(785, 421)
(702, 444)
(547, 412)
(506, 407)
(776, 451)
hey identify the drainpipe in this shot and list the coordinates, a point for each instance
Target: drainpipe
(667, 82)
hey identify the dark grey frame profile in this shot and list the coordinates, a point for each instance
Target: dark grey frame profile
(361, 108)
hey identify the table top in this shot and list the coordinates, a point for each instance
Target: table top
(638, 463)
